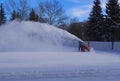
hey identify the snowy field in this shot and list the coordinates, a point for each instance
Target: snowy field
(40, 52)
(59, 66)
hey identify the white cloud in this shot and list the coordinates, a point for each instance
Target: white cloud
(103, 5)
(87, 6)
(78, 12)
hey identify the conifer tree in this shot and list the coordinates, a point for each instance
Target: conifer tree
(113, 10)
(2, 15)
(33, 16)
(113, 18)
(94, 29)
(15, 15)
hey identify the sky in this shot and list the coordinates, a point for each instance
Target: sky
(74, 8)
(81, 8)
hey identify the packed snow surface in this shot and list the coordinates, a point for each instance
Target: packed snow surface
(33, 36)
(59, 66)
(56, 59)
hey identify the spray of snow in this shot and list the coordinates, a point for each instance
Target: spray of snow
(32, 36)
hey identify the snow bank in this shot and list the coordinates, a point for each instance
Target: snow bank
(57, 60)
(32, 36)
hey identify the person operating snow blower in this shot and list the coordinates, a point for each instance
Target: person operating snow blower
(83, 47)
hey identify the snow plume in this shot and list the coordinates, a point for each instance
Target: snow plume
(33, 36)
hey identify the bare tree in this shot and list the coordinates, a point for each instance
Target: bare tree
(23, 9)
(74, 20)
(53, 12)
(20, 7)
(41, 12)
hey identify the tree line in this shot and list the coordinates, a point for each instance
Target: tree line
(98, 27)
(50, 12)
(104, 27)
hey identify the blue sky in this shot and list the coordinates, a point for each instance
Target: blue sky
(80, 8)
(74, 8)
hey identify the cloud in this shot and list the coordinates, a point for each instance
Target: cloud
(83, 8)
(87, 6)
(103, 5)
(78, 12)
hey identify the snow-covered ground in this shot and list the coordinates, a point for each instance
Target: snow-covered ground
(59, 66)
(40, 52)
(54, 59)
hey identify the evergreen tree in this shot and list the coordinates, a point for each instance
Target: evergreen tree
(113, 11)
(33, 16)
(95, 27)
(15, 15)
(2, 15)
(113, 18)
